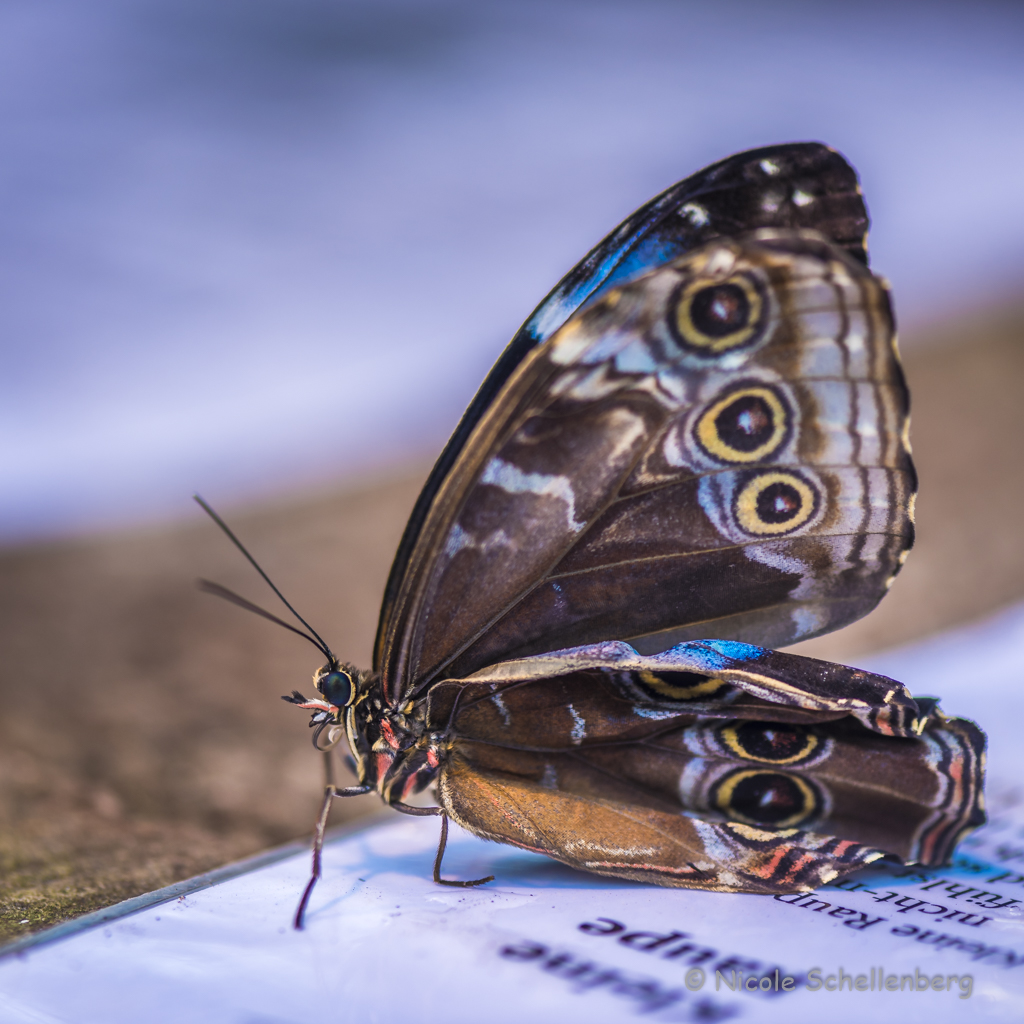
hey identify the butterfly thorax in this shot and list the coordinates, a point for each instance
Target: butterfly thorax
(394, 749)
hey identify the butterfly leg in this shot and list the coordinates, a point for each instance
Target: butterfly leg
(439, 811)
(331, 792)
(440, 854)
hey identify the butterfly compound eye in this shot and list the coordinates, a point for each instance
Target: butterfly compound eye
(337, 686)
(714, 318)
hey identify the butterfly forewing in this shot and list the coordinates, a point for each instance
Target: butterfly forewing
(717, 448)
(798, 185)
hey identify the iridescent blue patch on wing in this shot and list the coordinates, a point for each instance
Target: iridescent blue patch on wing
(736, 650)
(715, 655)
(618, 266)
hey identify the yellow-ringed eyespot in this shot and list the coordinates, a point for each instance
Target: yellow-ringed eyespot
(669, 686)
(776, 502)
(776, 742)
(713, 317)
(774, 799)
(747, 424)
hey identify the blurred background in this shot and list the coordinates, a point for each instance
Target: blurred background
(267, 249)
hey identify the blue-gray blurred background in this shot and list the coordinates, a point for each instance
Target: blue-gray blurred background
(250, 246)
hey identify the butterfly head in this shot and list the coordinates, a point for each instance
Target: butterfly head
(339, 686)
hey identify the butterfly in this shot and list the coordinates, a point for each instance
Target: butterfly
(695, 450)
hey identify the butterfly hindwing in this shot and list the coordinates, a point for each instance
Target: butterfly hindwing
(717, 448)
(628, 840)
(608, 735)
(719, 678)
(797, 185)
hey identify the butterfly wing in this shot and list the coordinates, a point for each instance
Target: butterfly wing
(666, 768)
(716, 448)
(798, 185)
(719, 678)
(627, 840)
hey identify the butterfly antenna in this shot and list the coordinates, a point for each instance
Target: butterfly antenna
(228, 595)
(209, 587)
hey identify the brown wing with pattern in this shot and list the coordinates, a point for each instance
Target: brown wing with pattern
(610, 757)
(717, 448)
(607, 837)
(794, 185)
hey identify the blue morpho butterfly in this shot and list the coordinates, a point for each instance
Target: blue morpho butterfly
(700, 433)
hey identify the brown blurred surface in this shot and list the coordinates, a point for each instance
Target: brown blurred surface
(142, 738)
